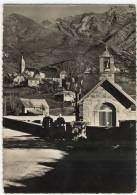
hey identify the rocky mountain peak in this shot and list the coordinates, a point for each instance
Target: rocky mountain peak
(81, 38)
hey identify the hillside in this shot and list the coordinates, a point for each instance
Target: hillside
(77, 41)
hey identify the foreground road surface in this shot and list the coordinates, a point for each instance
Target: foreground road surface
(23, 157)
(35, 165)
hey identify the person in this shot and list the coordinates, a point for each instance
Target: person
(47, 124)
(61, 126)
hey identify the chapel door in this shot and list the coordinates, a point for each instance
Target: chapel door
(105, 116)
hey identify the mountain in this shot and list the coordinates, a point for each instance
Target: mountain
(23, 36)
(77, 41)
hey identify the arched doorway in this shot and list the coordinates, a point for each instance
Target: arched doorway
(107, 115)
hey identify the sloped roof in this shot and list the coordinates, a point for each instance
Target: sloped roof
(115, 90)
(31, 69)
(65, 93)
(33, 78)
(106, 53)
(30, 103)
(50, 71)
(63, 72)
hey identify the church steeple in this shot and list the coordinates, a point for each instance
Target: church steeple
(107, 67)
(22, 65)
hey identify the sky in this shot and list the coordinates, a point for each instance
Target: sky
(42, 12)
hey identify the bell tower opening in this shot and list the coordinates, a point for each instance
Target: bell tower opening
(107, 68)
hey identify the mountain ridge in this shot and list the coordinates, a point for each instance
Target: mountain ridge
(82, 38)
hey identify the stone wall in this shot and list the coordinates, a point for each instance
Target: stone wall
(92, 103)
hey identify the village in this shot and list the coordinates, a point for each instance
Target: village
(67, 92)
(35, 80)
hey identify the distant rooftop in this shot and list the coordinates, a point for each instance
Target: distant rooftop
(29, 103)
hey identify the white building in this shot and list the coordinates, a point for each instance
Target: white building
(33, 82)
(32, 106)
(65, 96)
(18, 80)
(30, 72)
(56, 76)
(40, 76)
(63, 74)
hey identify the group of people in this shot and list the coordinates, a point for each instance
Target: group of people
(58, 129)
(54, 129)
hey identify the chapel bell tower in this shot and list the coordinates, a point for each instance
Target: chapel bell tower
(22, 65)
(107, 68)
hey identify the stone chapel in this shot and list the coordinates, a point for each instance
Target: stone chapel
(107, 103)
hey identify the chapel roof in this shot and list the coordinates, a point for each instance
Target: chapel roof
(115, 90)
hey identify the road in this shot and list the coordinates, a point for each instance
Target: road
(23, 157)
(35, 165)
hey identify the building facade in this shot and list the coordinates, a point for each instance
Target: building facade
(65, 96)
(107, 104)
(32, 106)
(33, 82)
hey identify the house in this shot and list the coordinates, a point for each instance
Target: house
(65, 96)
(30, 72)
(42, 75)
(32, 106)
(53, 74)
(33, 82)
(106, 104)
(63, 74)
(39, 75)
(87, 71)
(18, 80)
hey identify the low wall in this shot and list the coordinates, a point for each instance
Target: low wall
(27, 127)
(38, 117)
(32, 128)
(126, 133)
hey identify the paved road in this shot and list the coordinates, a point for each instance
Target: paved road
(22, 156)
